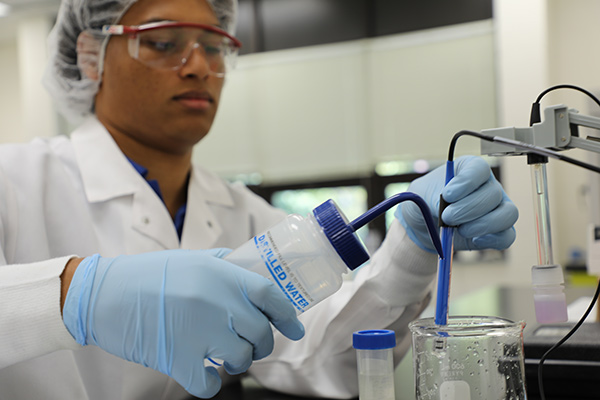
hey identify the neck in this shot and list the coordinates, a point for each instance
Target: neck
(170, 170)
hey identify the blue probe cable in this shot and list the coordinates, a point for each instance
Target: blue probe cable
(445, 265)
(392, 201)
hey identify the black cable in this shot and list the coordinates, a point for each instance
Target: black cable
(564, 339)
(536, 117)
(546, 153)
(566, 86)
(540, 151)
(535, 107)
(522, 145)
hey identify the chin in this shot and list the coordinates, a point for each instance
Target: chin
(186, 140)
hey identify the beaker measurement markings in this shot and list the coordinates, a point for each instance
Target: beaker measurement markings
(452, 374)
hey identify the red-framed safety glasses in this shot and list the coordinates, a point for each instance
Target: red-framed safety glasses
(169, 45)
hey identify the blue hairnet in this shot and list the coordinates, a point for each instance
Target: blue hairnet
(71, 52)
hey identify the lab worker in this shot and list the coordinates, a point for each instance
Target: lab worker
(113, 282)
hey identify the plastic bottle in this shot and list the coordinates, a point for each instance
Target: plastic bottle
(307, 256)
(375, 361)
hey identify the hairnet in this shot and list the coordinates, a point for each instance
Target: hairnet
(74, 57)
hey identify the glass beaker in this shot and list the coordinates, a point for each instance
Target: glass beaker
(470, 358)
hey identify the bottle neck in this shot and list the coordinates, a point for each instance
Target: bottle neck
(340, 266)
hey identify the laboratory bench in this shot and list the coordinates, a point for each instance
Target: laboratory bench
(515, 303)
(249, 389)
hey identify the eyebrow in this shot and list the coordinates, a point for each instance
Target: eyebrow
(153, 20)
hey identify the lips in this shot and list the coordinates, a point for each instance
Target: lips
(195, 100)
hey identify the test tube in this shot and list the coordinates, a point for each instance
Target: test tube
(547, 277)
(375, 360)
(542, 214)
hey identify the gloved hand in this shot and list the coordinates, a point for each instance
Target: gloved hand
(478, 206)
(170, 310)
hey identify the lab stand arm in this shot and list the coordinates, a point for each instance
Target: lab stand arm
(558, 131)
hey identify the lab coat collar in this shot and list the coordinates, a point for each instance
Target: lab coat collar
(105, 171)
(202, 228)
(107, 174)
(209, 188)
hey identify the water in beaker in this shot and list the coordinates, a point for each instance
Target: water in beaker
(470, 358)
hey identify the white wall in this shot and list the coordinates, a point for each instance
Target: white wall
(37, 113)
(542, 43)
(573, 59)
(336, 110)
(11, 123)
(521, 30)
(26, 110)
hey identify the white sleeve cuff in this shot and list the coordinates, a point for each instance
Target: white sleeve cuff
(32, 324)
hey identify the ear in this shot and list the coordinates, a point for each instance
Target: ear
(88, 55)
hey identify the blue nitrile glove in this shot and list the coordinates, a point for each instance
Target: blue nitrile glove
(478, 206)
(170, 310)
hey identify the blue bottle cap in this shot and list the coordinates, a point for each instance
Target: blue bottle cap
(340, 234)
(375, 339)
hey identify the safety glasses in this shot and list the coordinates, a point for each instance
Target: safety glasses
(169, 45)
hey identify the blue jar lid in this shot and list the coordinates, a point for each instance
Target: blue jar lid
(375, 339)
(340, 234)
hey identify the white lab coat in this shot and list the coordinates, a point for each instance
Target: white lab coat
(79, 196)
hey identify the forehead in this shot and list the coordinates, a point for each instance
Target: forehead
(144, 11)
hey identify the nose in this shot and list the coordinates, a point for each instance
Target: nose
(195, 63)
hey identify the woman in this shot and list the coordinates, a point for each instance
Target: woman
(95, 226)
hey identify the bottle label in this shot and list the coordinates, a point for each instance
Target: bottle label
(281, 273)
